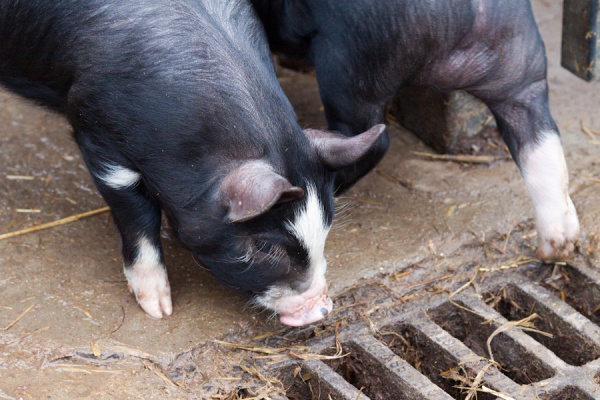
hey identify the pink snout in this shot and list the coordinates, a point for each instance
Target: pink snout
(306, 308)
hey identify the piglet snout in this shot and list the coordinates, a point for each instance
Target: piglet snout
(310, 310)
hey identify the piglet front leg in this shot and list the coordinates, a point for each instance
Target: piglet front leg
(137, 217)
(147, 279)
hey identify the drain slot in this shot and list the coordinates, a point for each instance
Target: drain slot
(580, 291)
(355, 372)
(569, 345)
(369, 373)
(517, 363)
(315, 380)
(568, 393)
(427, 357)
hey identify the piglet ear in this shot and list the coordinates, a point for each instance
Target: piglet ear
(338, 151)
(253, 188)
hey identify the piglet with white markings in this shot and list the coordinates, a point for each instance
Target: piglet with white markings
(364, 51)
(176, 108)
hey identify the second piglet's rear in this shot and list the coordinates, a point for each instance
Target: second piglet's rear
(176, 108)
(364, 51)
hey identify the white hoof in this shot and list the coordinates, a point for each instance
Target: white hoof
(147, 279)
(546, 176)
(557, 235)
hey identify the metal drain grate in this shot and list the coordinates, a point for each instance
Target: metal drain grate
(413, 353)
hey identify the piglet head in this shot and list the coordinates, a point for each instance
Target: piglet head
(276, 227)
(273, 239)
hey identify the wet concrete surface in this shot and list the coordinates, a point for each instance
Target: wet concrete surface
(72, 278)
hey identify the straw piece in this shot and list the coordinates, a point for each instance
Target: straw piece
(269, 334)
(129, 351)
(477, 382)
(523, 324)
(460, 289)
(75, 369)
(485, 389)
(506, 241)
(311, 356)
(27, 299)
(59, 222)
(257, 349)
(28, 334)
(495, 393)
(441, 278)
(19, 317)
(107, 371)
(407, 183)
(90, 371)
(163, 376)
(597, 180)
(587, 131)
(403, 274)
(567, 124)
(95, 348)
(460, 158)
(83, 310)
(359, 393)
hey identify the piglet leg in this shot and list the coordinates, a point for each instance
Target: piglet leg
(348, 112)
(546, 176)
(533, 139)
(138, 219)
(147, 279)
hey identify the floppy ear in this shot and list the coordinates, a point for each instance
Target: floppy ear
(338, 151)
(253, 188)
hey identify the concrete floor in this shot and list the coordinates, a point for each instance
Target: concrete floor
(72, 274)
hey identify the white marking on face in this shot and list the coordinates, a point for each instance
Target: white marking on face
(147, 278)
(545, 172)
(311, 229)
(118, 177)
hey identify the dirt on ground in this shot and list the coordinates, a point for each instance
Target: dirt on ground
(69, 328)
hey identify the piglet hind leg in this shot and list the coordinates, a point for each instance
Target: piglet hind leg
(533, 139)
(545, 171)
(138, 220)
(350, 115)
